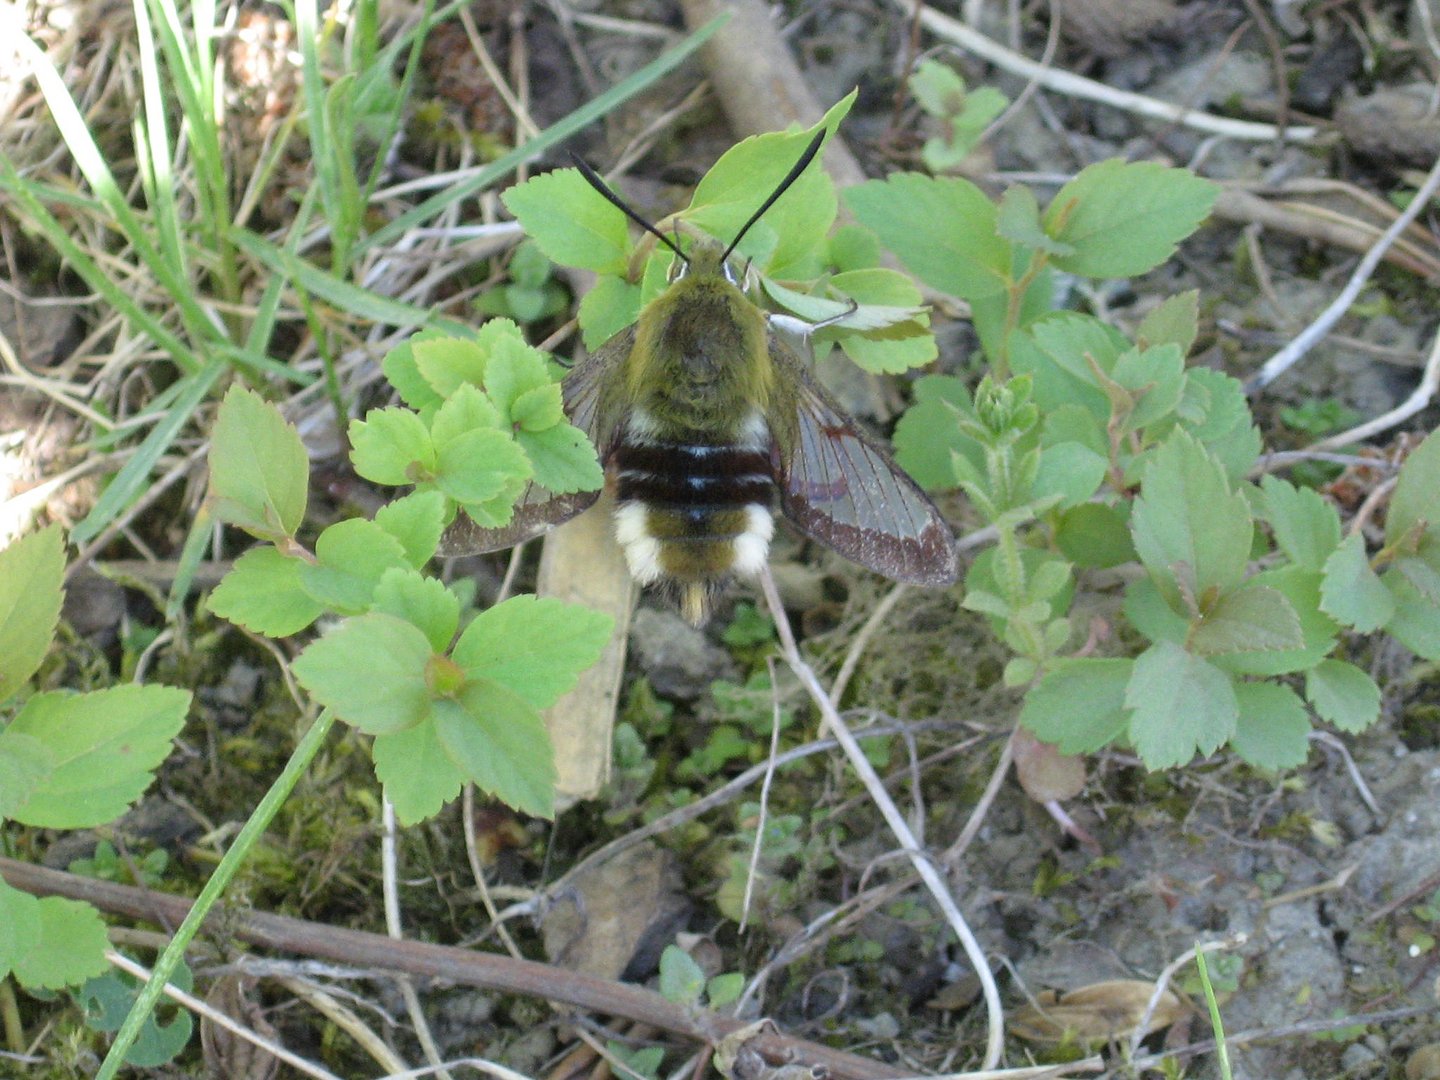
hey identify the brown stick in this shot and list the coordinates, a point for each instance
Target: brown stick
(759, 84)
(453, 964)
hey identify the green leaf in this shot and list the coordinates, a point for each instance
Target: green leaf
(571, 222)
(943, 230)
(351, 557)
(416, 521)
(104, 746)
(1273, 729)
(448, 363)
(1072, 471)
(1156, 376)
(929, 432)
(1301, 588)
(1176, 321)
(682, 980)
(1123, 219)
(893, 349)
(1019, 222)
(1192, 532)
(1415, 504)
(1182, 705)
(481, 465)
(1306, 527)
(108, 999)
(466, 409)
(886, 298)
(609, 307)
(259, 474)
(423, 602)
(1069, 343)
(1352, 592)
(497, 739)
(821, 307)
(25, 766)
(1256, 619)
(19, 925)
(948, 151)
(1343, 695)
(724, 989)
(417, 772)
(402, 371)
(263, 593)
(738, 183)
(1094, 536)
(938, 89)
(536, 648)
(853, 248)
(512, 369)
(1416, 622)
(563, 459)
(1079, 706)
(888, 333)
(371, 671)
(538, 409)
(388, 445)
(68, 945)
(31, 572)
(1422, 573)
(1214, 409)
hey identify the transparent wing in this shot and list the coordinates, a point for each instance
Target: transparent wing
(840, 488)
(590, 407)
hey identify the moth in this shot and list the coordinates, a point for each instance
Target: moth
(706, 419)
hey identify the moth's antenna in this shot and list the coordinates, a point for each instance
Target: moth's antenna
(593, 179)
(790, 177)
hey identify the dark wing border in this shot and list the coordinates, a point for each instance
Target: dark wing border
(589, 405)
(840, 488)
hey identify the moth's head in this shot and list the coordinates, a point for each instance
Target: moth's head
(706, 258)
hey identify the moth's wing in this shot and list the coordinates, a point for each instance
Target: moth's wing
(590, 405)
(840, 488)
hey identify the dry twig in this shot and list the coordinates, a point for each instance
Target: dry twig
(1303, 342)
(1067, 83)
(920, 859)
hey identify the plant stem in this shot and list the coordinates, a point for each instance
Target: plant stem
(10, 1016)
(258, 822)
(1216, 1024)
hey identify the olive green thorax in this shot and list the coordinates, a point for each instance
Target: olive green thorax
(700, 362)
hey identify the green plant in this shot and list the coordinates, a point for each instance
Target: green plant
(873, 314)
(1319, 416)
(106, 865)
(531, 295)
(194, 248)
(683, 982)
(67, 761)
(1086, 449)
(963, 114)
(444, 709)
(107, 999)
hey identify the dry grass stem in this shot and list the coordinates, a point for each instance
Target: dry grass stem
(1308, 338)
(1068, 84)
(919, 858)
(201, 1008)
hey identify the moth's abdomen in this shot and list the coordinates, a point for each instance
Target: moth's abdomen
(693, 513)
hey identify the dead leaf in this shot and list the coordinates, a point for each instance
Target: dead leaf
(1424, 1063)
(1044, 772)
(737, 1057)
(1102, 1011)
(626, 909)
(227, 1056)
